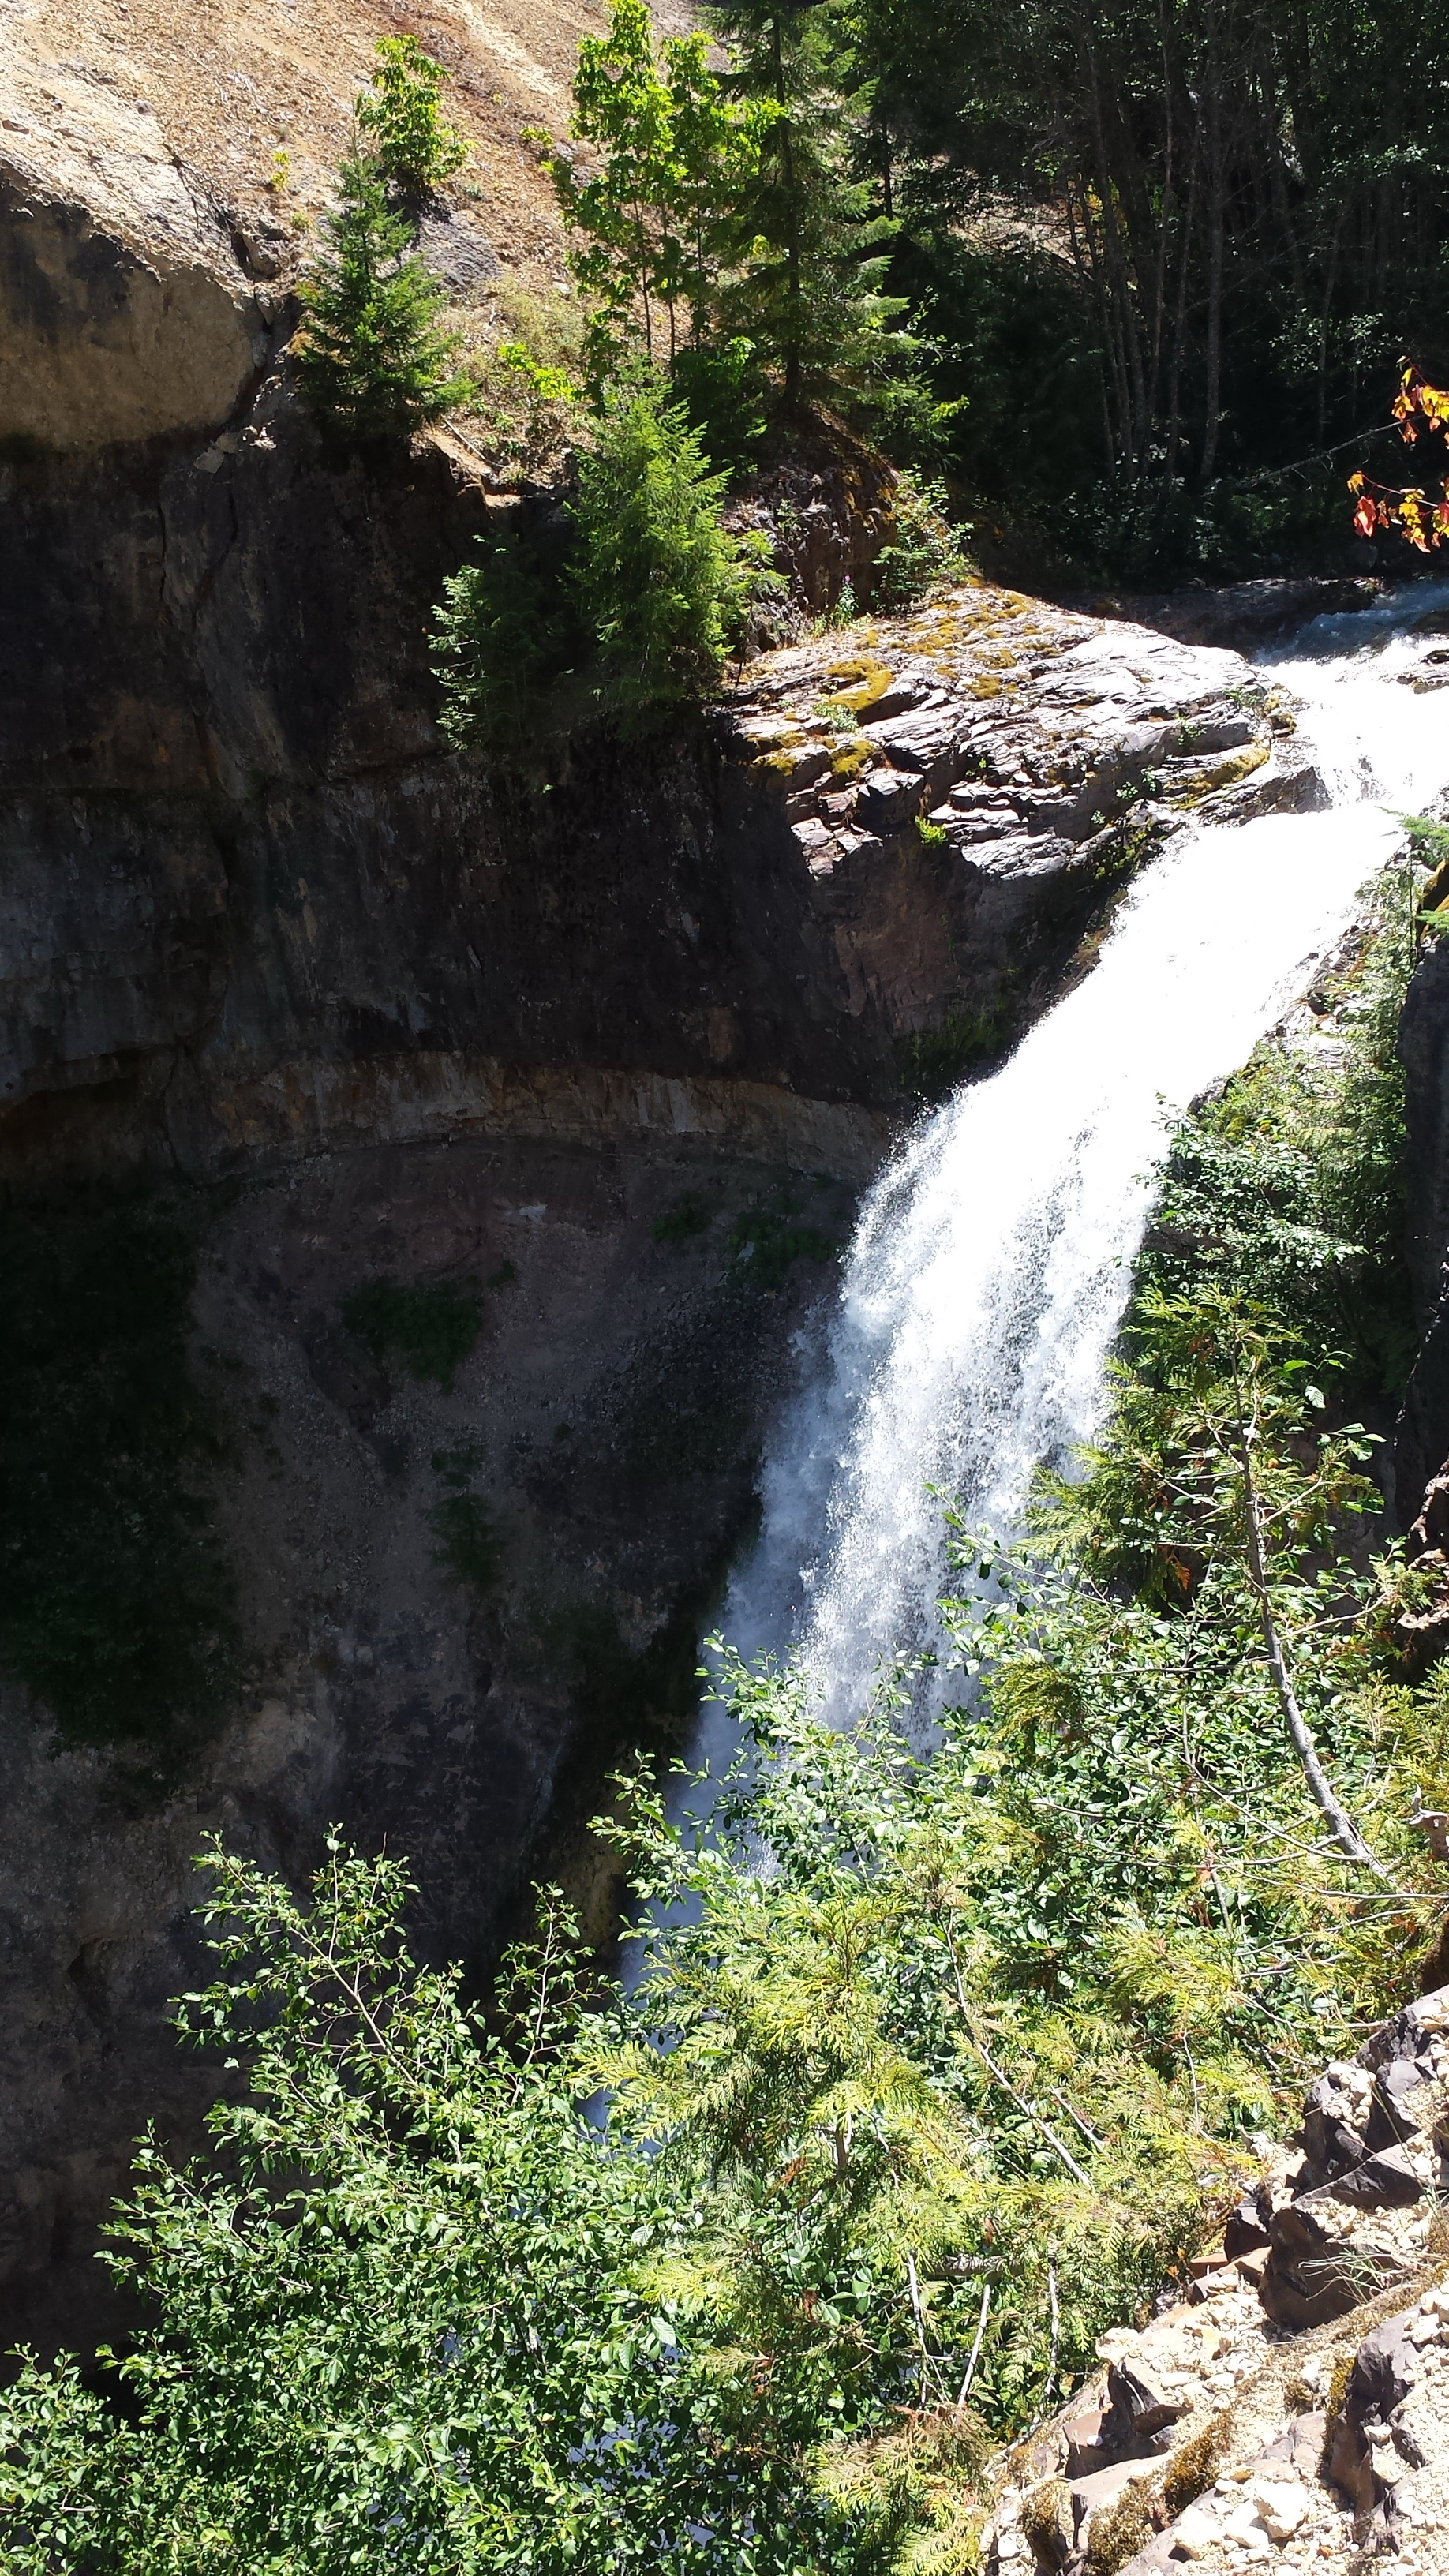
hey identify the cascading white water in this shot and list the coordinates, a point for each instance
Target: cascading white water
(991, 1262)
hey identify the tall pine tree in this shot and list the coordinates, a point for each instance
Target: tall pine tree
(373, 361)
(813, 292)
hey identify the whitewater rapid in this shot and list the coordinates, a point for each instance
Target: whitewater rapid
(991, 1262)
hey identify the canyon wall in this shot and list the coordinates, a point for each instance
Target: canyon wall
(609, 1050)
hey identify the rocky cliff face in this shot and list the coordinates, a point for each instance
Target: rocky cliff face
(612, 1057)
(357, 1010)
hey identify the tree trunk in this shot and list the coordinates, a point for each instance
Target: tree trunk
(1345, 1832)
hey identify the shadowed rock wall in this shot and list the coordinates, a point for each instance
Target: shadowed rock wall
(588, 1047)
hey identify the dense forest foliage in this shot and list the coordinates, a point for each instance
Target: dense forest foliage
(931, 2069)
(1173, 254)
(1140, 276)
(1140, 280)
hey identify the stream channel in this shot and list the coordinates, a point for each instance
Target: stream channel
(991, 1263)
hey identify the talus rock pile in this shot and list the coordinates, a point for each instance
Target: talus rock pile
(1294, 2408)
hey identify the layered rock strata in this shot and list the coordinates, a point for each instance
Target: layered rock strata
(251, 908)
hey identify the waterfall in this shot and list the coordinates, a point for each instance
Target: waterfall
(991, 1263)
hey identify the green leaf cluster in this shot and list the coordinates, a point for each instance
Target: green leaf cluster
(399, 114)
(654, 592)
(116, 1605)
(722, 232)
(657, 215)
(1289, 1185)
(663, 584)
(924, 548)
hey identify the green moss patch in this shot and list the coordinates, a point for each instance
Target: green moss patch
(933, 1061)
(431, 1330)
(772, 1239)
(116, 1604)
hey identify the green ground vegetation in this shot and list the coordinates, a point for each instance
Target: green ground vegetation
(1290, 1181)
(1147, 341)
(116, 1605)
(926, 219)
(470, 1542)
(933, 1061)
(431, 1326)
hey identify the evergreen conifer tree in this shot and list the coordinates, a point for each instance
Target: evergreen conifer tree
(373, 362)
(812, 293)
(662, 581)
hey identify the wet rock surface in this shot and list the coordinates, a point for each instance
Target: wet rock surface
(1247, 614)
(1295, 2408)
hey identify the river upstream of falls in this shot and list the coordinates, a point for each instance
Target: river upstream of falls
(991, 1264)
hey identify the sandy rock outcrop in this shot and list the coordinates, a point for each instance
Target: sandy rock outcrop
(125, 312)
(164, 165)
(1295, 2408)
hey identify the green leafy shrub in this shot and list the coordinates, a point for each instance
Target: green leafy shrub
(470, 1541)
(372, 360)
(925, 550)
(653, 591)
(771, 1240)
(400, 117)
(723, 387)
(116, 1603)
(657, 209)
(404, 2318)
(500, 636)
(1290, 1184)
(431, 1329)
(662, 583)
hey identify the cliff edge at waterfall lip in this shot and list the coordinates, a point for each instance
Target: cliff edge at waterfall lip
(1017, 736)
(1247, 615)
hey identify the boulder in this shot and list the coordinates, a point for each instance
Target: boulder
(127, 309)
